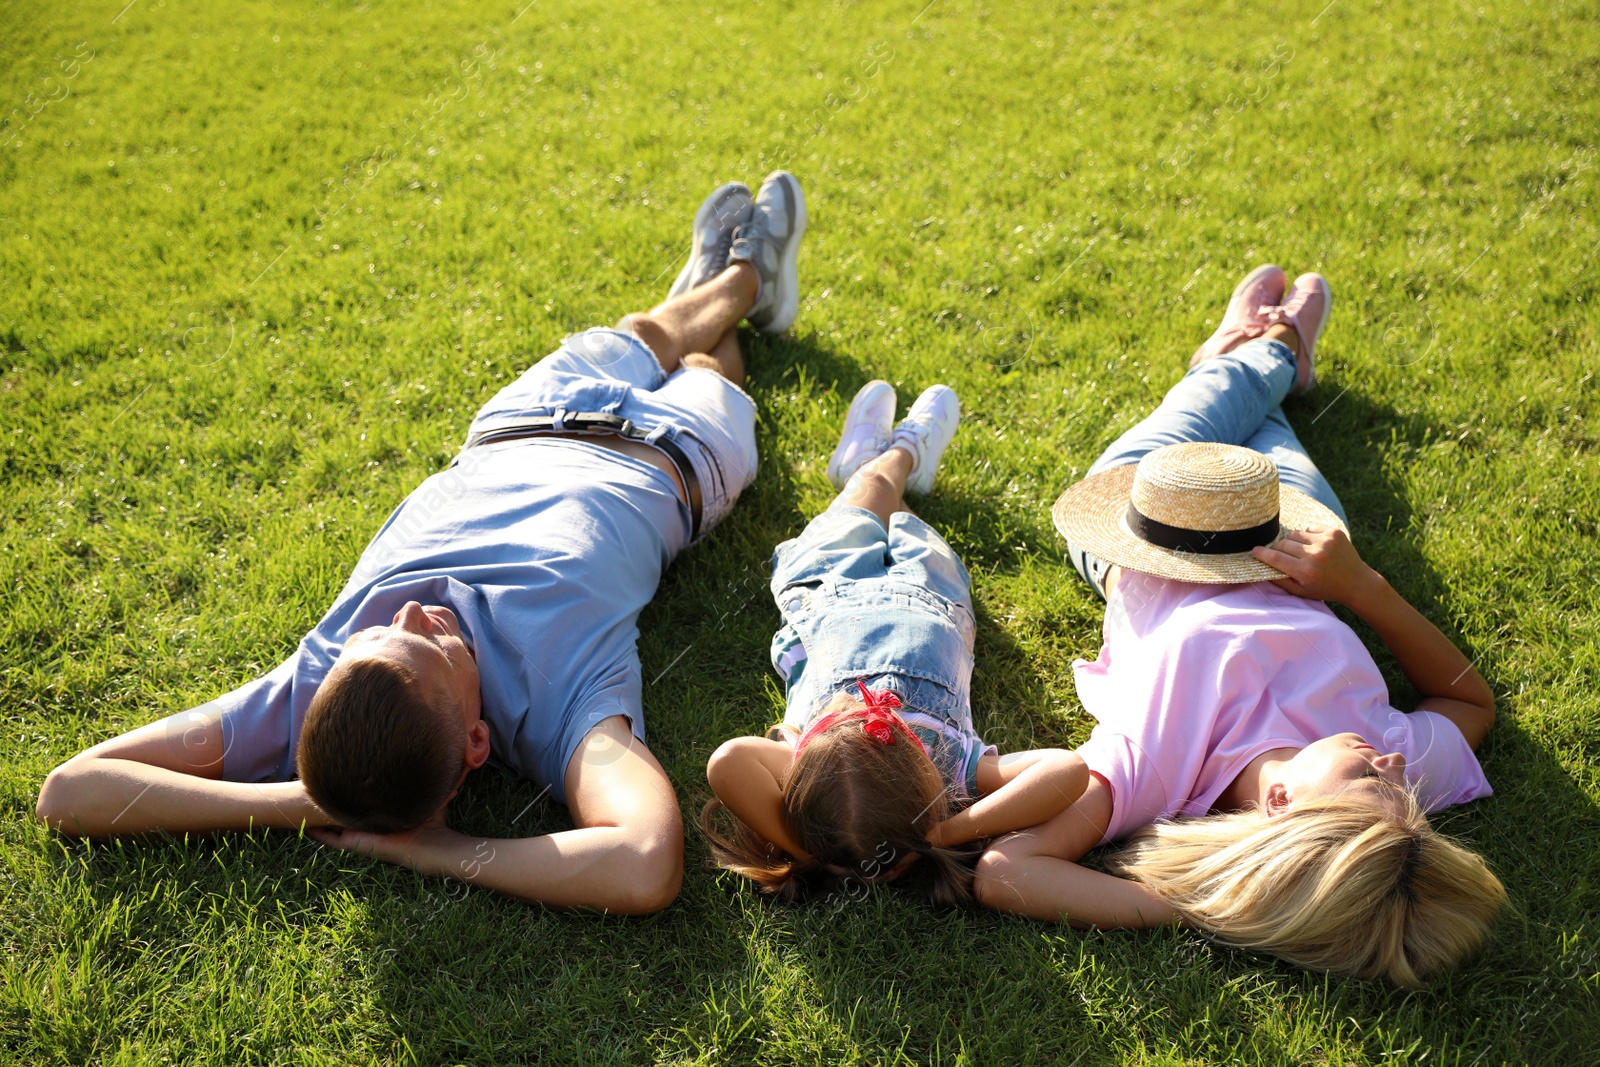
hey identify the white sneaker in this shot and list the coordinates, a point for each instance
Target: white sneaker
(724, 211)
(866, 431)
(926, 432)
(770, 242)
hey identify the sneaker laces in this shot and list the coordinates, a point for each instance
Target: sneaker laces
(723, 246)
(1282, 315)
(863, 435)
(911, 437)
(857, 450)
(757, 252)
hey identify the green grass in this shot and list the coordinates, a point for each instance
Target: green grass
(261, 261)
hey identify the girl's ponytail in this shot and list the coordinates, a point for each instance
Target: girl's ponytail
(951, 871)
(746, 853)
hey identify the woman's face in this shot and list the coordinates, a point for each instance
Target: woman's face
(1342, 765)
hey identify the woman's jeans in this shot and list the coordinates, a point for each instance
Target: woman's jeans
(1236, 399)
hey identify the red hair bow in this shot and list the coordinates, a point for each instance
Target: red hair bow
(880, 718)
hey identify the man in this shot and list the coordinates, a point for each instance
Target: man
(494, 616)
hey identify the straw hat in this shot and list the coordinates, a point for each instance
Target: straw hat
(1190, 511)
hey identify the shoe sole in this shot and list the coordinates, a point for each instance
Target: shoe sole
(708, 211)
(788, 271)
(865, 397)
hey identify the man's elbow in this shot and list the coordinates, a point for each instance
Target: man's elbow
(654, 877)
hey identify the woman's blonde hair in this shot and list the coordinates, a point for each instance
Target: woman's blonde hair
(1338, 884)
(859, 807)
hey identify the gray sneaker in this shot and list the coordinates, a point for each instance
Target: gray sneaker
(724, 211)
(770, 242)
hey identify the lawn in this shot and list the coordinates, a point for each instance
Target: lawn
(261, 262)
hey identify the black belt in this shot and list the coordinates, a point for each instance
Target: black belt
(599, 422)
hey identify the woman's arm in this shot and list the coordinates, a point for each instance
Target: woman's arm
(1324, 565)
(1034, 872)
(747, 774)
(166, 776)
(1016, 790)
(625, 855)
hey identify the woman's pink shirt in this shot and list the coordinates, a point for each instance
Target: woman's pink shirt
(1195, 681)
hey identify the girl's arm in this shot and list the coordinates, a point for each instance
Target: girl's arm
(1016, 790)
(1324, 565)
(1034, 872)
(747, 774)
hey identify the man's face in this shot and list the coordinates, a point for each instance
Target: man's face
(1345, 765)
(428, 641)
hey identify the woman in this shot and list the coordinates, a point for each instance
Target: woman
(1246, 750)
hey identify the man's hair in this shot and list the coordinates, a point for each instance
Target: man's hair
(377, 751)
(1338, 884)
(858, 807)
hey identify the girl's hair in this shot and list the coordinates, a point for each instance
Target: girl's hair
(859, 807)
(1337, 884)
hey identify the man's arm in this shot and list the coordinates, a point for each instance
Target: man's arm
(166, 776)
(1324, 565)
(625, 855)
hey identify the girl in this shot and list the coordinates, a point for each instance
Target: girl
(876, 763)
(1246, 749)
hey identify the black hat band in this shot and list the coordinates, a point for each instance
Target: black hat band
(1200, 542)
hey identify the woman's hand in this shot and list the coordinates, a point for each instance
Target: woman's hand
(1320, 565)
(1323, 565)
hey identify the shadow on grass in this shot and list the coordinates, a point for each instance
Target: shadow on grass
(1011, 699)
(1540, 832)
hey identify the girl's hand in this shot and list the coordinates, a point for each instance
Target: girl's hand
(1017, 790)
(1320, 565)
